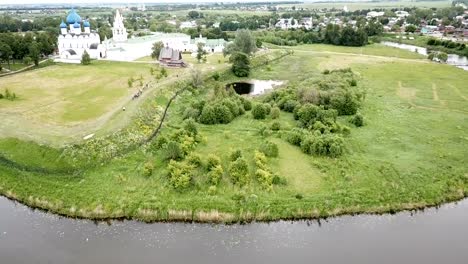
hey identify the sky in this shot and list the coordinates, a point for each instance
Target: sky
(8, 2)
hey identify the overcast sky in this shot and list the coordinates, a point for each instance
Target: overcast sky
(77, 2)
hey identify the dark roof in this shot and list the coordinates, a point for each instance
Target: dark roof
(72, 52)
(94, 46)
(167, 53)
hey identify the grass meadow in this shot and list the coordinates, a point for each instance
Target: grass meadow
(410, 154)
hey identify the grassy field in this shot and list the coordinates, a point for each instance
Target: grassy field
(411, 153)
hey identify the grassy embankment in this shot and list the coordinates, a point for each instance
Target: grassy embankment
(410, 154)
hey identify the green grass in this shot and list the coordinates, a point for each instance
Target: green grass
(13, 66)
(411, 153)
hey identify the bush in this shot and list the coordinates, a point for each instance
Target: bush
(191, 127)
(299, 196)
(276, 126)
(148, 169)
(259, 111)
(208, 115)
(212, 161)
(223, 114)
(215, 174)
(357, 120)
(216, 76)
(275, 113)
(159, 143)
(265, 178)
(277, 180)
(247, 104)
(180, 175)
(294, 136)
(239, 172)
(174, 151)
(212, 190)
(325, 145)
(270, 149)
(235, 154)
(195, 160)
(191, 113)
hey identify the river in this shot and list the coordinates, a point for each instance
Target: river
(433, 236)
(453, 59)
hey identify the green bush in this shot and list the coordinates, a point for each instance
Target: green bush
(357, 120)
(212, 190)
(276, 126)
(324, 145)
(223, 114)
(180, 175)
(265, 178)
(235, 154)
(294, 136)
(195, 160)
(148, 169)
(275, 113)
(208, 115)
(174, 151)
(215, 174)
(191, 112)
(159, 142)
(270, 149)
(191, 127)
(216, 76)
(277, 180)
(239, 172)
(247, 104)
(212, 161)
(259, 111)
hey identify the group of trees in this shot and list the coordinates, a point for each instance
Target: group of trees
(240, 50)
(332, 34)
(316, 107)
(29, 47)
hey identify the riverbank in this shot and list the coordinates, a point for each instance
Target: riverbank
(433, 236)
(408, 155)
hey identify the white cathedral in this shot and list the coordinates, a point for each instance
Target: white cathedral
(76, 37)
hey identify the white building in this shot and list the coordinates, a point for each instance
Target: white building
(76, 37)
(119, 31)
(372, 14)
(291, 23)
(188, 24)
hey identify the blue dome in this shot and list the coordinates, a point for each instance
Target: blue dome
(86, 23)
(63, 25)
(76, 25)
(73, 17)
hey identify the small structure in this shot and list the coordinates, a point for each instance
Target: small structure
(171, 57)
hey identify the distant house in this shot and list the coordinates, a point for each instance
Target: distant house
(209, 45)
(188, 24)
(171, 57)
(401, 14)
(373, 14)
(291, 23)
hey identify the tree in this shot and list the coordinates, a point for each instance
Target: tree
(193, 14)
(442, 56)
(201, 52)
(157, 47)
(85, 59)
(5, 53)
(34, 52)
(410, 28)
(240, 64)
(197, 78)
(244, 42)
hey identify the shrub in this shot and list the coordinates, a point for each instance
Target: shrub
(247, 104)
(159, 143)
(191, 112)
(174, 151)
(267, 108)
(223, 114)
(277, 180)
(212, 161)
(357, 120)
(195, 160)
(276, 126)
(216, 76)
(294, 136)
(208, 115)
(270, 149)
(215, 174)
(212, 190)
(299, 196)
(191, 127)
(345, 102)
(275, 113)
(235, 154)
(239, 172)
(148, 169)
(265, 178)
(180, 175)
(325, 145)
(259, 111)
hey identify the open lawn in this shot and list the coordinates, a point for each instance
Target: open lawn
(410, 153)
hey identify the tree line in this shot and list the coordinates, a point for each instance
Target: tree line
(28, 47)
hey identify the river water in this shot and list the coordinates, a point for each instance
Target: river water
(433, 236)
(453, 59)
